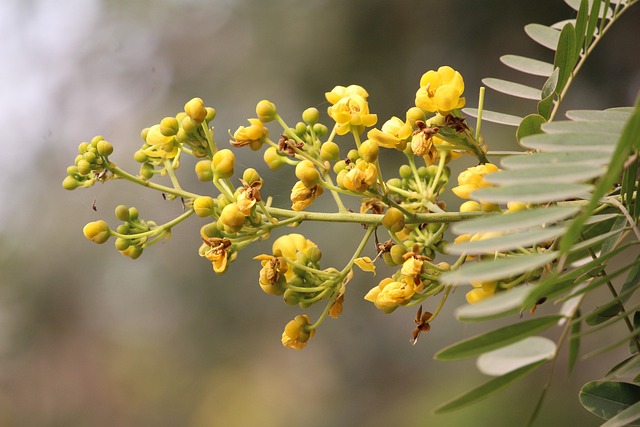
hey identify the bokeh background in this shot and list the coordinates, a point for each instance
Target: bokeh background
(91, 338)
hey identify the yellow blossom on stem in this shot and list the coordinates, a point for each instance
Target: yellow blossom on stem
(361, 177)
(472, 179)
(272, 275)
(440, 91)
(216, 250)
(350, 109)
(297, 332)
(302, 197)
(253, 135)
(160, 146)
(393, 134)
(390, 294)
(480, 291)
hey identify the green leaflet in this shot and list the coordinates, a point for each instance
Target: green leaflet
(513, 89)
(527, 65)
(530, 125)
(626, 417)
(599, 115)
(486, 389)
(536, 160)
(548, 174)
(514, 356)
(497, 338)
(532, 193)
(507, 242)
(494, 117)
(541, 34)
(606, 399)
(516, 221)
(498, 269)
(565, 57)
(604, 143)
(499, 305)
(592, 126)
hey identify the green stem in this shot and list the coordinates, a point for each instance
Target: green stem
(175, 191)
(155, 230)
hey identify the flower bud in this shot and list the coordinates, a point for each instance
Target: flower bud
(223, 163)
(320, 130)
(266, 111)
(300, 129)
(188, 126)
(84, 167)
(330, 151)
(413, 114)
(133, 214)
(143, 133)
(405, 171)
(97, 231)
(70, 183)
(196, 110)
(122, 244)
(311, 116)
(122, 213)
(204, 206)
(368, 150)
(232, 218)
(146, 170)
(353, 155)
(339, 166)
(397, 254)
(203, 170)
(274, 160)
(314, 254)
(140, 157)
(132, 252)
(393, 220)
(211, 114)
(395, 182)
(250, 175)
(82, 147)
(307, 173)
(169, 126)
(104, 148)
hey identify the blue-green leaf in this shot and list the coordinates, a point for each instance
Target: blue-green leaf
(497, 338)
(532, 193)
(494, 117)
(493, 270)
(526, 161)
(546, 36)
(606, 399)
(599, 115)
(545, 174)
(604, 143)
(516, 220)
(513, 89)
(514, 356)
(593, 126)
(530, 125)
(506, 242)
(565, 58)
(527, 65)
(499, 305)
(625, 418)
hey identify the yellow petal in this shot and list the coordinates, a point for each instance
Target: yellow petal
(366, 264)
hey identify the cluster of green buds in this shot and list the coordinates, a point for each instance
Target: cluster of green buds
(90, 164)
(433, 133)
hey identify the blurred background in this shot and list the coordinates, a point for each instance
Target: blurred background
(91, 338)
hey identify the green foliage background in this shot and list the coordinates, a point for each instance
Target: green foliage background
(88, 337)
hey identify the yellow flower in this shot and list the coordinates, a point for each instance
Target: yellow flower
(297, 332)
(472, 179)
(289, 245)
(361, 177)
(422, 143)
(216, 250)
(247, 197)
(272, 275)
(302, 197)
(253, 135)
(390, 294)
(350, 109)
(440, 91)
(393, 134)
(482, 290)
(160, 146)
(411, 267)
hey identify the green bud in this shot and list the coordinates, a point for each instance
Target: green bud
(413, 114)
(140, 157)
(369, 150)
(105, 148)
(204, 206)
(211, 114)
(314, 254)
(274, 160)
(133, 214)
(70, 183)
(146, 170)
(266, 111)
(320, 130)
(432, 170)
(122, 213)
(397, 254)
(339, 166)
(250, 175)
(96, 139)
(311, 116)
(301, 129)
(188, 125)
(222, 201)
(330, 151)
(196, 110)
(97, 231)
(82, 147)
(84, 167)
(405, 171)
(353, 155)
(291, 297)
(395, 182)
(90, 156)
(123, 228)
(223, 163)
(122, 244)
(203, 170)
(423, 172)
(144, 134)
(393, 220)
(210, 230)
(169, 126)
(132, 252)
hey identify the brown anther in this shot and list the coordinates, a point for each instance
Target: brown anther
(217, 243)
(457, 123)
(422, 324)
(252, 190)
